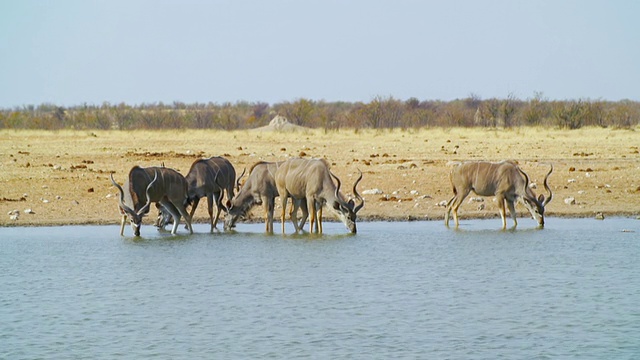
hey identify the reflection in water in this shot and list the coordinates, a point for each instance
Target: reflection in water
(407, 290)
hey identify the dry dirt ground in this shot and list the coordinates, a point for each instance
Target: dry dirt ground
(63, 177)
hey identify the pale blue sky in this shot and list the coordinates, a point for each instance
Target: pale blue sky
(145, 51)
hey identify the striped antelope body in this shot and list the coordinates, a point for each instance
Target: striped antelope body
(504, 180)
(161, 185)
(211, 178)
(311, 179)
(260, 189)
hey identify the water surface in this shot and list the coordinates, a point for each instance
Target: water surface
(402, 290)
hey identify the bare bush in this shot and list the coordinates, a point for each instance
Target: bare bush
(379, 113)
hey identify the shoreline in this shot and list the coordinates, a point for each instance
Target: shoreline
(62, 177)
(624, 214)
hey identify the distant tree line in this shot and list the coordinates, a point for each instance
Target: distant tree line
(379, 113)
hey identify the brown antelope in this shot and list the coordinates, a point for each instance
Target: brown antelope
(311, 179)
(504, 180)
(153, 184)
(164, 216)
(259, 189)
(211, 178)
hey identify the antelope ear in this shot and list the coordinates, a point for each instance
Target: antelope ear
(228, 204)
(541, 198)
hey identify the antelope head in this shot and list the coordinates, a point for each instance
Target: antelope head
(537, 205)
(164, 217)
(347, 210)
(136, 216)
(237, 212)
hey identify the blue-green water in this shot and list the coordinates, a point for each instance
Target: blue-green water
(394, 290)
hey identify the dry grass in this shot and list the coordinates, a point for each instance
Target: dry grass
(69, 169)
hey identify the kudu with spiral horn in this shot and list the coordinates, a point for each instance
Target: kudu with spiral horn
(160, 185)
(311, 179)
(504, 180)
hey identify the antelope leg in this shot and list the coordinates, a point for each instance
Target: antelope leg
(312, 215)
(456, 204)
(283, 198)
(319, 218)
(124, 219)
(269, 208)
(502, 210)
(194, 206)
(210, 211)
(294, 214)
(219, 208)
(305, 213)
(448, 210)
(512, 211)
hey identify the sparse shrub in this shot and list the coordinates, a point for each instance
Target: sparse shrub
(535, 110)
(625, 114)
(379, 113)
(568, 115)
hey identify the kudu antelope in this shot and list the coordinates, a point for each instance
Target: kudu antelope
(211, 178)
(504, 180)
(259, 189)
(164, 216)
(153, 184)
(311, 179)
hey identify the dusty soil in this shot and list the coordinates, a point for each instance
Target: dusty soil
(63, 177)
